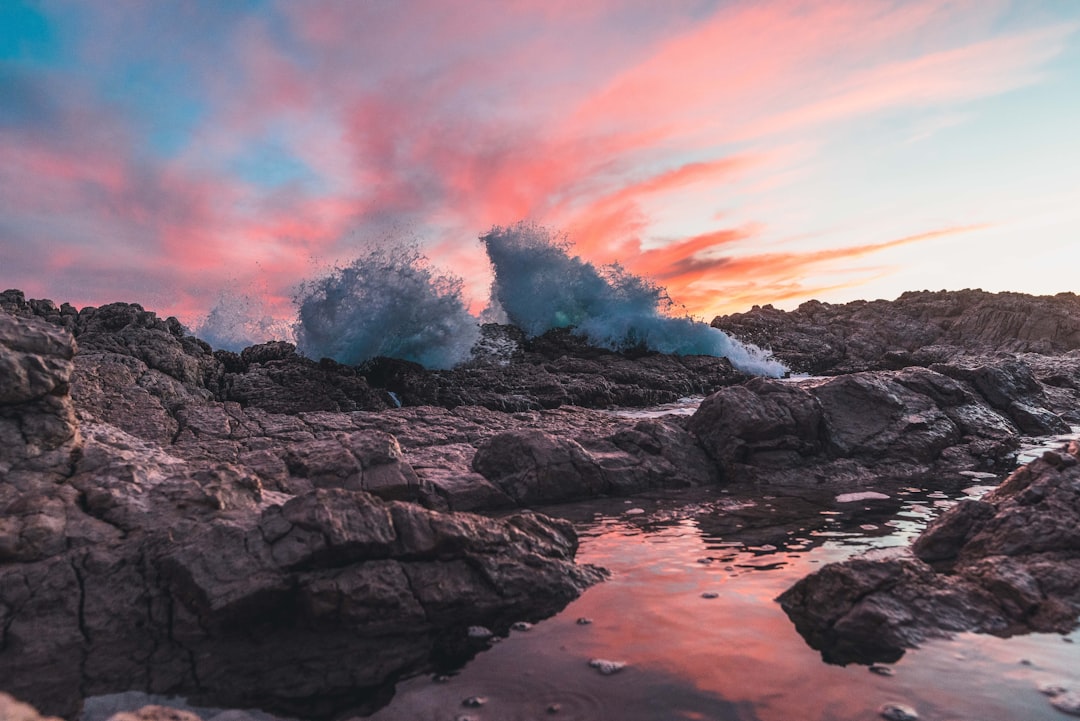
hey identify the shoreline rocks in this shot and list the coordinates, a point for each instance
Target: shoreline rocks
(207, 523)
(1006, 564)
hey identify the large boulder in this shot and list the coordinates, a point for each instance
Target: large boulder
(877, 422)
(1007, 564)
(38, 432)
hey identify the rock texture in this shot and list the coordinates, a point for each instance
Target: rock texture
(855, 429)
(154, 538)
(1009, 563)
(553, 370)
(918, 328)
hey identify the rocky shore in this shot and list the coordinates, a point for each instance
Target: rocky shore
(269, 530)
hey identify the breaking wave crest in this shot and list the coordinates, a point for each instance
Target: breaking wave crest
(540, 286)
(390, 301)
(387, 302)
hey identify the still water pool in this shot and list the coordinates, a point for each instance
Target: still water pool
(689, 609)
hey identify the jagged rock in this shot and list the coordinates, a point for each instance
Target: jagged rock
(912, 419)
(38, 433)
(532, 466)
(918, 328)
(276, 379)
(152, 539)
(1010, 387)
(1007, 564)
(762, 421)
(553, 370)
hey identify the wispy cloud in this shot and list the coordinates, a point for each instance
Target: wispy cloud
(141, 150)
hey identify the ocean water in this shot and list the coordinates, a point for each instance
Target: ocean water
(390, 301)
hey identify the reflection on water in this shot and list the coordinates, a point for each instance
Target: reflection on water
(689, 608)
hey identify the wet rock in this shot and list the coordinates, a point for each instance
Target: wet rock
(606, 667)
(1009, 563)
(155, 713)
(898, 712)
(474, 701)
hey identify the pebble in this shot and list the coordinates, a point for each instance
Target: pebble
(898, 712)
(881, 670)
(710, 594)
(861, 496)
(1052, 688)
(554, 708)
(480, 632)
(606, 667)
(474, 701)
(583, 621)
(521, 626)
(1026, 662)
(1068, 702)
(1068, 639)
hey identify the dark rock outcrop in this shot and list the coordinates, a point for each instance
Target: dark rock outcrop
(553, 370)
(154, 538)
(869, 425)
(918, 328)
(1007, 564)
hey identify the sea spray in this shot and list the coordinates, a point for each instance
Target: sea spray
(240, 320)
(387, 302)
(540, 286)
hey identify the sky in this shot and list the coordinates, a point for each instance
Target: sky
(737, 152)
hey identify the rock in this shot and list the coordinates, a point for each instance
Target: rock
(151, 535)
(1068, 703)
(274, 378)
(606, 667)
(850, 430)
(38, 432)
(861, 496)
(1009, 563)
(474, 701)
(918, 328)
(13, 710)
(898, 712)
(155, 713)
(761, 421)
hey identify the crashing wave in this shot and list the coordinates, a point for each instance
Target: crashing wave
(387, 302)
(238, 321)
(540, 286)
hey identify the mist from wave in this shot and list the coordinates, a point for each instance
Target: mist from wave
(390, 301)
(240, 320)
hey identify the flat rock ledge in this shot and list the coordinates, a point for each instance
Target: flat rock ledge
(1006, 564)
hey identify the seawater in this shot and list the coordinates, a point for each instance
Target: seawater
(390, 301)
(735, 656)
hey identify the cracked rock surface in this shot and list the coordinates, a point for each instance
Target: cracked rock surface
(153, 538)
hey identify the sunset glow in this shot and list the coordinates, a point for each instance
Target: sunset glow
(735, 152)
